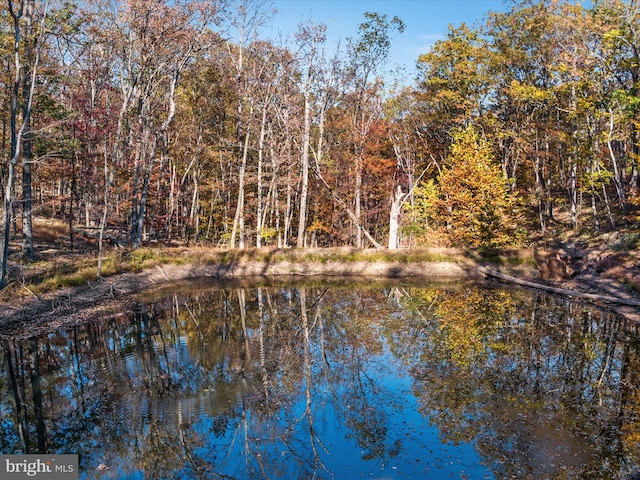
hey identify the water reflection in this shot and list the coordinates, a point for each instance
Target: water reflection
(327, 382)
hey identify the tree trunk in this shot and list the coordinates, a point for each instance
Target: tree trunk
(27, 205)
(105, 211)
(259, 224)
(13, 364)
(142, 210)
(634, 182)
(27, 147)
(287, 213)
(17, 132)
(194, 215)
(36, 390)
(238, 219)
(605, 196)
(6, 220)
(15, 152)
(358, 200)
(562, 291)
(160, 137)
(574, 192)
(618, 180)
(540, 192)
(114, 156)
(302, 219)
(349, 212)
(394, 217)
(27, 198)
(74, 158)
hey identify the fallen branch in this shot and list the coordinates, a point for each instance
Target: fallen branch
(561, 291)
(346, 208)
(22, 284)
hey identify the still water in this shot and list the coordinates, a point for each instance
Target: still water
(338, 382)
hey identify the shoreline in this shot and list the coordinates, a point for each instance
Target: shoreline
(119, 293)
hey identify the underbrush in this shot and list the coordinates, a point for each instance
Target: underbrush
(60, 270)
(58, 267)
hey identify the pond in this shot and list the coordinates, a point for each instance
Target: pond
(341, 381)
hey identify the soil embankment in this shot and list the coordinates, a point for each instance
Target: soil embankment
(117, 294)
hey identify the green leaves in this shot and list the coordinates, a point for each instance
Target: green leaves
(371, 48)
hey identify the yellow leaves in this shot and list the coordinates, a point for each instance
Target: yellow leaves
(528, 93)
(421, 211)
(318, 226)
(459, 323)
(469, 321)
(593, 180)
(561, 68)
(611, 35)
(631, 430)
(469, 204)
(474, 196)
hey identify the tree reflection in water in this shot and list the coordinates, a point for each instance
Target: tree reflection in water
(327, 382)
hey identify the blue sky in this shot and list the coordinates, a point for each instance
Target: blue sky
(426, 20)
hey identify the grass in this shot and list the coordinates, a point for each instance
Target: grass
(511, 258)
(627, 241)
(340, 255)
(58, 269)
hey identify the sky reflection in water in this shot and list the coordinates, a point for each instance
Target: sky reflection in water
(327, 382)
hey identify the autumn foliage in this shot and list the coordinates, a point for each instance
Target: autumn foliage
(473, 204)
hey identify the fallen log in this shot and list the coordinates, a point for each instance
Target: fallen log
(562, 291)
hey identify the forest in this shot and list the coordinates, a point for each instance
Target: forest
(140, 121)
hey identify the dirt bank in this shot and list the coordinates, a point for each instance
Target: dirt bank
(118, 293)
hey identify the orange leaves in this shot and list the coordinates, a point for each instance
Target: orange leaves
(378, 159)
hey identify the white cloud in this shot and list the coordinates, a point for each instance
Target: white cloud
(427, 41)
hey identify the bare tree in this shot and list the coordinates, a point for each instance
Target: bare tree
(20, 12)
(366, 54)
(309, 37)
(251, 15)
